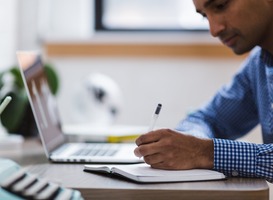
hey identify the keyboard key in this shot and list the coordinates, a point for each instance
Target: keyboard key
(21, 185)
(35, 188)
(48, 193)
(13, 178)
(97, 150)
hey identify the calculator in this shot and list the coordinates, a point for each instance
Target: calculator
(18, 184)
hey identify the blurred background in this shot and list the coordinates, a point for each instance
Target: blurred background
(155, 51)
(115, 60)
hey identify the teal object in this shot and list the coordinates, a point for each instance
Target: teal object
(8, 196)
(7, 168)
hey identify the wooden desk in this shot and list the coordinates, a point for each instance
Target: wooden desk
(97, 186)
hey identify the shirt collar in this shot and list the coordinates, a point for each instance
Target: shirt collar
(267, 58)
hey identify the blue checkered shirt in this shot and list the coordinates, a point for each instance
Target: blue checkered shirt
(235, 110)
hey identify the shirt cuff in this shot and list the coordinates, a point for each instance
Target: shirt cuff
(234, 158)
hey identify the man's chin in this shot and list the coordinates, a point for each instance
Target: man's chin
(240, 51)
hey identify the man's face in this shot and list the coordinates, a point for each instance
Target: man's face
(239, 24)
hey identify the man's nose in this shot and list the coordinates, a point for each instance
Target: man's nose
(217, 26)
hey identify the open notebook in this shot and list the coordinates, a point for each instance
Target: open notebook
(45, 111)
(144, 173)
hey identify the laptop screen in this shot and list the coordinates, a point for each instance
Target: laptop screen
(42, 101)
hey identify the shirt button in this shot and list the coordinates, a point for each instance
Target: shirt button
(271, 105)
(234, 173)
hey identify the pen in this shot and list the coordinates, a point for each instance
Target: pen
(4, 104)
(155, 116)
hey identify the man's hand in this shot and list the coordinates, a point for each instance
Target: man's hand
(169, 149)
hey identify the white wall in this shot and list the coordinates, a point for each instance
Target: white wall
(40, 20)
(8, 32)
(66, 19)
(180, 84)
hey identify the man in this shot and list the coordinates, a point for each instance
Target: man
(205, 139)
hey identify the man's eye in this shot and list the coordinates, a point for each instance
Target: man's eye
(203, 15)
(221, 6)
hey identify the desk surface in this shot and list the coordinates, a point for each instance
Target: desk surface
(98, 186)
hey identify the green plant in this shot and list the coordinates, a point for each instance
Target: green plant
(17, 117)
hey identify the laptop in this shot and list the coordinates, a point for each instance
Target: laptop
(55, 142)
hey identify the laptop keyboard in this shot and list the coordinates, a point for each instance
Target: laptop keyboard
(97, 150)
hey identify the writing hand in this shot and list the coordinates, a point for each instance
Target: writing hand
(169, 149)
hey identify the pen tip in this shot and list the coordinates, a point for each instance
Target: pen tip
(158, 109)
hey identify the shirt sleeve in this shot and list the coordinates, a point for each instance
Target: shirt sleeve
(235, 158)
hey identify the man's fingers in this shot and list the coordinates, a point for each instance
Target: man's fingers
(160, 165)
(149, 137)
(137, 153)
(153, 159)
(147, 149)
